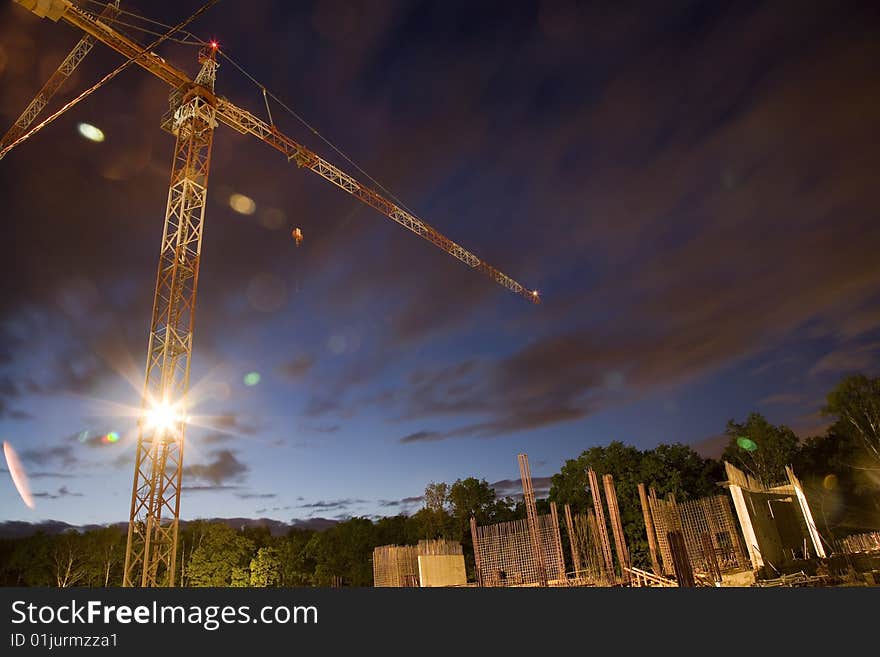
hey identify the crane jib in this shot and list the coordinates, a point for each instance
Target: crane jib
(246, 123)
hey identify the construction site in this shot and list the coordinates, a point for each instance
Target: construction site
(753, 535)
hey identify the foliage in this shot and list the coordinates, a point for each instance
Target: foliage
(676, 469)
(265, 569)
(774, 448)
(856, 401)
(220, 552)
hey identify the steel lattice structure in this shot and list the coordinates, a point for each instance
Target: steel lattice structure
(151, 550)
(155, 501)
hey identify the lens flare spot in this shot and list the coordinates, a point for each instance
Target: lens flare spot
(19, 476)
(90, 132)
(272, 219)
(110, 438)
(242, 204)
(337, 344)
(829, 482)
(251, 378)
(746, 443)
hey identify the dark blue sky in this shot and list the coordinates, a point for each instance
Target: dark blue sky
(691, 185)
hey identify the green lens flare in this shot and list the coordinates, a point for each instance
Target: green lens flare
(746, 443)
(251, 378)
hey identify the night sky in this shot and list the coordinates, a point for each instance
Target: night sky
(692, 186)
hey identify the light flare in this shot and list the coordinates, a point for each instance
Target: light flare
(19, 476)
(90, 132)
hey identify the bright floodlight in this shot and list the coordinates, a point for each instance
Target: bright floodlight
(163, 417)
(90, 132)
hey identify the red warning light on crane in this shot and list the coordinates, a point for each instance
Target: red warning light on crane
(215, 45)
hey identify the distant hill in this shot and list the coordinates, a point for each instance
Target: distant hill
(20, 529)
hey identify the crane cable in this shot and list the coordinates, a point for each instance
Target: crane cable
(88, 92)
(194, 40)
(265, 92)
(313, 130)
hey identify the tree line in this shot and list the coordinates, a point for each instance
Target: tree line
(840, 469)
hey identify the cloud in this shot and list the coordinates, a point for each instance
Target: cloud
(298, 367)
(209, 488)
(256, 496)
(332, 504)
(423, 436)
(848, 358)
(9, 394)
(513, 487)
(214, 438)
(231, 424)
(781, 399)
(323, 428)
(224, 466)
(60, 454)
(61, 492)
(50, 475)
(405, 503)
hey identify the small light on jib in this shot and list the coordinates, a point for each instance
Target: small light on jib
(90, 132)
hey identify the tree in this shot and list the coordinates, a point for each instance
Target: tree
(436, 496)
(856, 401)
(105, 555)
(296, 566)
(471, 497)
(69, 560)
(760, 448)
(343, 551)
(220, 552)
(266, 568)
(676, 469)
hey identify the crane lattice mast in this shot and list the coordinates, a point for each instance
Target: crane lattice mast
(151, 549)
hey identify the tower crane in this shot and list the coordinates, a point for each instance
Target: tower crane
(195, 111)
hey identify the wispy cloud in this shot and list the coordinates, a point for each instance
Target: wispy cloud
(223, 467)
(61, 492)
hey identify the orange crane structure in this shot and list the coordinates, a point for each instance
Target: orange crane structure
(195, 111)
